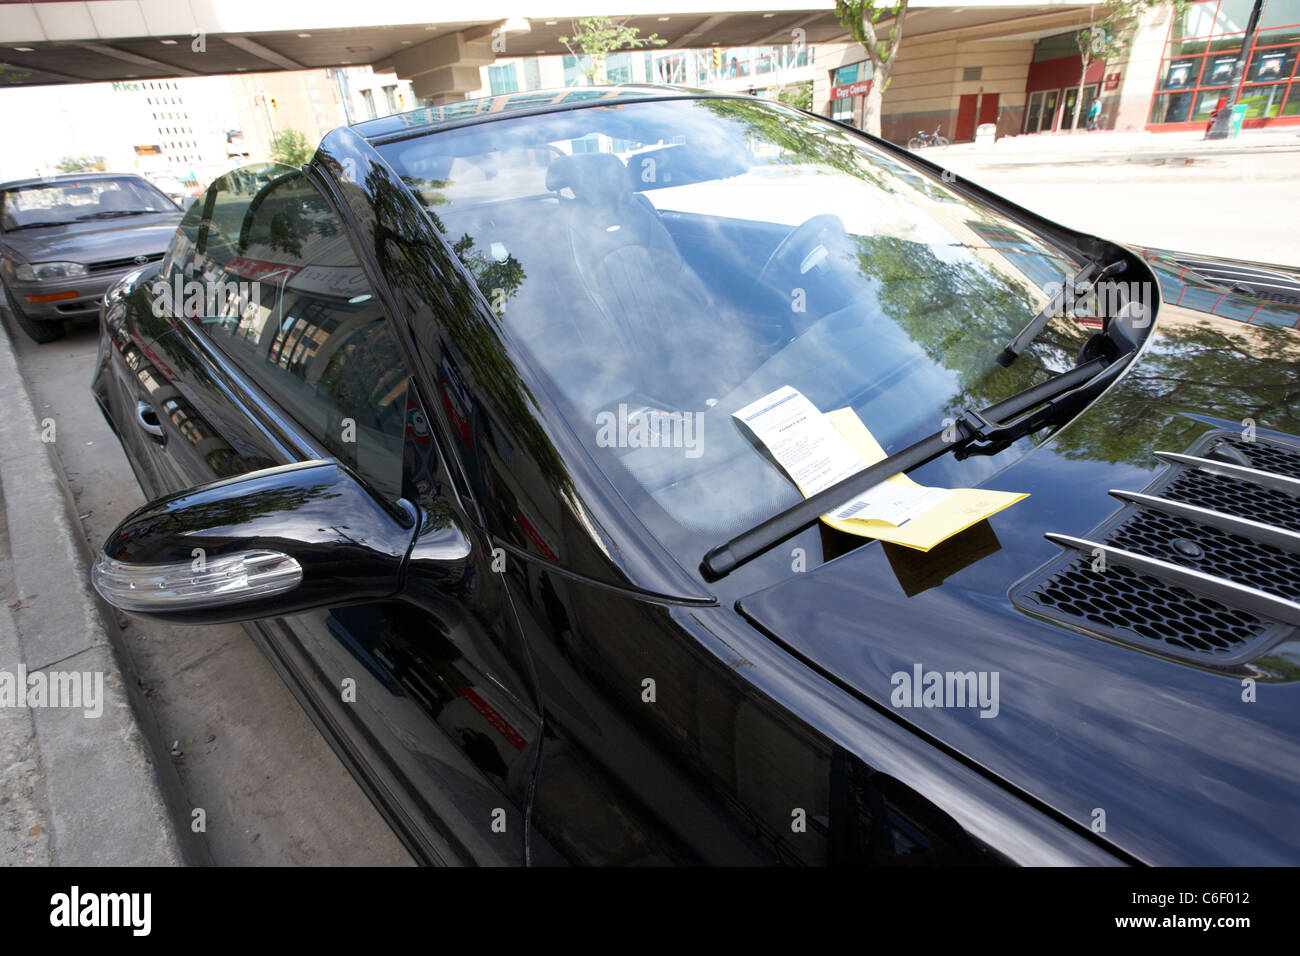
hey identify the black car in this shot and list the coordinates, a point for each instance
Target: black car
(449, 416)
(65, 239)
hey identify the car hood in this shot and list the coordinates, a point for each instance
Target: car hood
(96, 241)
(1172, 752)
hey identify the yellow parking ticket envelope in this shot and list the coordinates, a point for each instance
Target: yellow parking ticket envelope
(925, 516)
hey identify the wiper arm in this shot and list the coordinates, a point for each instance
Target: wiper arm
(1082, 283)
(994, 427)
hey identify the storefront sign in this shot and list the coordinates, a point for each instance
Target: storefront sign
(850, 89)
(1112, 81)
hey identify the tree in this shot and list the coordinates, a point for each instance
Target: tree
(78, 164)
(290, 147)
(598, 37)
(798, 95)
(860, 17)
(1109, 33)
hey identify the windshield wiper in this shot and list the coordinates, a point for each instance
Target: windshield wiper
(115, 213)
(1082, 283)
(975, 432)
(39, 225)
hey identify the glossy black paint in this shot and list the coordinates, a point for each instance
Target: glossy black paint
(765, 733)
(351, 546)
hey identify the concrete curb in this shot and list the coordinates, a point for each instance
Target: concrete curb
(98, 787)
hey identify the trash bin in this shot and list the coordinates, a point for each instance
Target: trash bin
(1238, 117)
(985, 134)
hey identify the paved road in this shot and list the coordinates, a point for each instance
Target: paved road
(273, 791)
(1234, 201)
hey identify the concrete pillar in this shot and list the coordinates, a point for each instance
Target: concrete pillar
(444, 69)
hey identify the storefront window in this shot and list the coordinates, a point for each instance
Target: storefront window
(1170, 108)
(1190, 85)
(1232, 16)
(1262, 101)
(1206, 104)
(1292, 107)
(1180, 74)
(1272, 63)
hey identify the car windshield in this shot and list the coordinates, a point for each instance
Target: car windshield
(663, 264)
(78, 200)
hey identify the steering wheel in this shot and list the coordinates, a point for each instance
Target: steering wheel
(804, 247)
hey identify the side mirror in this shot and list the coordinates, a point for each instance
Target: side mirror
(271, 542)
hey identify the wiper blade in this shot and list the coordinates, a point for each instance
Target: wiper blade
(993, 428)
(39, 225)
(1081, 284)
(115, 214)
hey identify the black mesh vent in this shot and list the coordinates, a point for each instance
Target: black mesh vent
(1235, 497)
(1222, 554)
(1137, 609)
(1268, 456)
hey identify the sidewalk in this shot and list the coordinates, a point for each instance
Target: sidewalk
(1052, 147)
(79, 786)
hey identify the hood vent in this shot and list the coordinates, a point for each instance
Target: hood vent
(1246, 280)
(1203, 565)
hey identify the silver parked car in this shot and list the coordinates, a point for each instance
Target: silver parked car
(65, 239)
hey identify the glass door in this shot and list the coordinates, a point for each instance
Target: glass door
(1050, 99)
(1033, 112)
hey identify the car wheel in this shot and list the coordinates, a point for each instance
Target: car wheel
(37, 330)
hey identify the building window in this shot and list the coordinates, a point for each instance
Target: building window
(390, 99)
(532, 74)
(368, 101)
(575, 70)
(618, 68)
(848, 80)
(503, 78)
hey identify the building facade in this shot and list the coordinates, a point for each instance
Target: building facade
(1023, 73)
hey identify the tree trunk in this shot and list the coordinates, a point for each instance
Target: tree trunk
(1078, 97)
(871, 109)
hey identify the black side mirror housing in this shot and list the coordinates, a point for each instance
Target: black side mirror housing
(271, 542)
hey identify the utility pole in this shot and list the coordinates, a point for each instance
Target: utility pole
(1222, 124)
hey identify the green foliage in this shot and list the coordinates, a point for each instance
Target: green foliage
(598, 37)
(290, 147)
(859, 17)
(79, 164)
(798, 95)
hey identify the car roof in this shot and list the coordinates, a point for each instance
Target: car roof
(486, 108)
(46, 180)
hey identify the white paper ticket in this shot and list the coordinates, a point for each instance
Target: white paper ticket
(815, 456)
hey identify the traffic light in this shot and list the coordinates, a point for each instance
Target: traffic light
(717, 57)
(275, 107)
